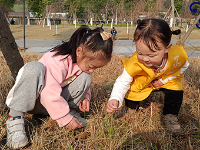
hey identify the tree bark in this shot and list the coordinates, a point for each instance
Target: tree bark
(9, 47)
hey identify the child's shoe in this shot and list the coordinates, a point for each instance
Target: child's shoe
(171, 123)
(16, 135)
(75, 114)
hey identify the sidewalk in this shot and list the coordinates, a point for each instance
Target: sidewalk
(121, 47)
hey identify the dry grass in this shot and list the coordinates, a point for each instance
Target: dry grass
(136, 130)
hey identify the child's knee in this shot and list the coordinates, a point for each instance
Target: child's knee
(34, 68)
(83, 82)
(86, 77)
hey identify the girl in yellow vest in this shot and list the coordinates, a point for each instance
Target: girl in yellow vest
(156, 65)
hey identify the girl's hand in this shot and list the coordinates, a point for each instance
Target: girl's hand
(112, 105)
(84, 105)
(74, 124)
(157, 83)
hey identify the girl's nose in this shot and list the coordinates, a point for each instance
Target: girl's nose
(91, 70)
(145, 59)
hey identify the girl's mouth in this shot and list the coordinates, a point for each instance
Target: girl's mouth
(147, 63)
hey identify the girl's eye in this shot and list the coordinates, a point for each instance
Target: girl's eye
(151, 56)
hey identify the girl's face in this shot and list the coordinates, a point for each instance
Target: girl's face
(148, 57)
(89, 65)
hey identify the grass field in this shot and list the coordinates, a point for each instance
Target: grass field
(65, 31)
(139, 130)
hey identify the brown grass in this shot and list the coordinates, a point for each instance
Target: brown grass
(136, 130)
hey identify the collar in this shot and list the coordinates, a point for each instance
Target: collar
(156, 69)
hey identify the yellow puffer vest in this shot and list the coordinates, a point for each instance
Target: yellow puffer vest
(141, 86)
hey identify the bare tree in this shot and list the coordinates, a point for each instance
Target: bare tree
(9, 47)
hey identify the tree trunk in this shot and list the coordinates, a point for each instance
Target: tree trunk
(9, 47)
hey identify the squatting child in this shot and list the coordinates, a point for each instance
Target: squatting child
(58, 83)
(156, 65)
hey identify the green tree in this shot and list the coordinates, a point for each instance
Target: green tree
(178, 5)
(150, 5)
(37, 7)
(7, 5)
(72, 6)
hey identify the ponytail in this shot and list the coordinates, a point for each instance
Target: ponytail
(69, 48)
(150, 30)
(90, 39)
(176, 32)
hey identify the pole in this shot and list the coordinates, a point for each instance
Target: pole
(172, 19)
(56, 29)
(43, 22)
(182, 17)
(116, 18)
(131, 24)
(111, 24)
(24, 23)
(127, 27)
(189, 31)
(75, 23)
(91, 22)
(182, 13)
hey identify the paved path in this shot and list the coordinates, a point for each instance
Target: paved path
(121, 47)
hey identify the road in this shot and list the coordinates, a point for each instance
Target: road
(121, 47)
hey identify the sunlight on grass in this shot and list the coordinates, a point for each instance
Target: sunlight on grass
(136, 130)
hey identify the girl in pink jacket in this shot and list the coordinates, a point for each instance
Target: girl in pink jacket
(58, 84)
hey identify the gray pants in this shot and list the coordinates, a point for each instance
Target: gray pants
(25, 94)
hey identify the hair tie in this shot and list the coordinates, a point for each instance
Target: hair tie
(105, 36)
(176, 32)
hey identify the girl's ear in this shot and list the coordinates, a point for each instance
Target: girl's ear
(79, 52)
(168, 48)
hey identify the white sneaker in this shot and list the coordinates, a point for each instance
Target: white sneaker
(16, 135)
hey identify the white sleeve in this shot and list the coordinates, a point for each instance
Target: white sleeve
(173, 77)
(121, 86)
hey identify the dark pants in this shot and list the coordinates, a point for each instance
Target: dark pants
(172, 102)
(114, 36)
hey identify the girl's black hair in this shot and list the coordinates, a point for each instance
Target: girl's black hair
(153, 30)
(91, 41)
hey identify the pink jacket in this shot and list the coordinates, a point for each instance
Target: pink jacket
(57, 70)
